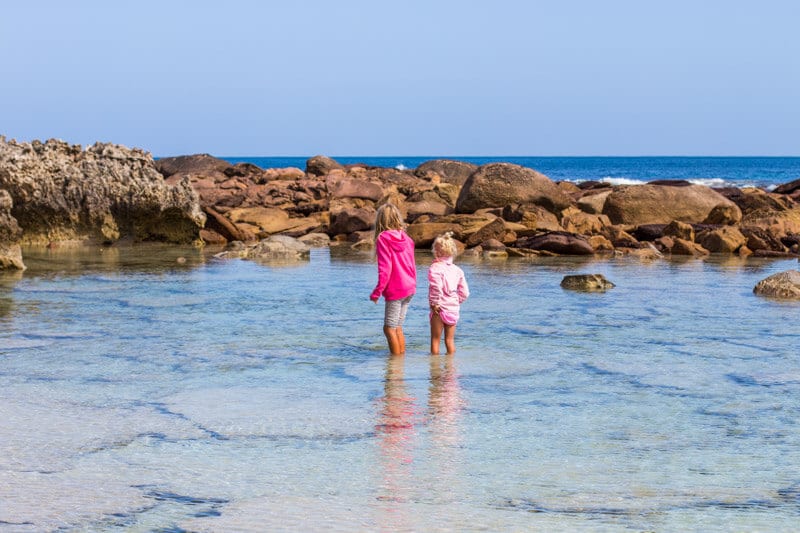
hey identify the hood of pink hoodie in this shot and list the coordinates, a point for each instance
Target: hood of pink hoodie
(397, 239)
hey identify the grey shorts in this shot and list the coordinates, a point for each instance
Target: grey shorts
(395, 312)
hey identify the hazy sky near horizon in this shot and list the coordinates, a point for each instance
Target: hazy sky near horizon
(446, 77)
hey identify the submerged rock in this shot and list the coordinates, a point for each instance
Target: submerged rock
(784, 285)
(586, 282)
(273, 248)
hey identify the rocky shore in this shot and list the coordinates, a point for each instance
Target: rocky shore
(53, 192)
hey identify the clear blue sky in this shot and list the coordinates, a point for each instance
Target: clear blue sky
(449, 77)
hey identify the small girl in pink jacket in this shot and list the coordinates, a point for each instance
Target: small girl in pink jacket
(447, 290)
(397, 274)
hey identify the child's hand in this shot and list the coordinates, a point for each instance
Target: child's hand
(374, 300)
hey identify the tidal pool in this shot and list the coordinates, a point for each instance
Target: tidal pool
(150, 388)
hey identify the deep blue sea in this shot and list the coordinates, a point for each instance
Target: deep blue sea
(766, 172)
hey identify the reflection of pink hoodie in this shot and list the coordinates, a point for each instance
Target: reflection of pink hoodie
(397, 271)
(447, 288)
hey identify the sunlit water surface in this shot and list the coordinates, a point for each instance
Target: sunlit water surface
(140, 392)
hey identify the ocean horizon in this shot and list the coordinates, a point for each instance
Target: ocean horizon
(766, 172)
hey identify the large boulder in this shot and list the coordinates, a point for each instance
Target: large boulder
(104, 193)
(661, 204)
(785, 285)
(454, 172)
(502, 184)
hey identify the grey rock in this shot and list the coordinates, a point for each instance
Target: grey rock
(783, 285)
(280, 248)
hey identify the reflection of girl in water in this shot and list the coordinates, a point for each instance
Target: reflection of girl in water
(396, 431)
(397, 414)
(445, 401)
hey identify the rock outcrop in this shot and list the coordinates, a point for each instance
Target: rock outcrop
(10, 233)
(107, 192)
(515, 206)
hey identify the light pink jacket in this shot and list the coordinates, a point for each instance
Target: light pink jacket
(447, 288)
(397, 271)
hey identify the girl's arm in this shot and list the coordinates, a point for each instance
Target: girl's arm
(434, 289)
(384, 268)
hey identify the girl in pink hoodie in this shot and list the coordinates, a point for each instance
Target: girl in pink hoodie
(447, 290)
(397, 274)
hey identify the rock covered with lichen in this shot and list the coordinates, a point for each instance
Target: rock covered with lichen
(104, 193)
(10, 232)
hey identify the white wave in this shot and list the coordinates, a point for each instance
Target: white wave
(401, 166)
(711, 182)
(621, 181)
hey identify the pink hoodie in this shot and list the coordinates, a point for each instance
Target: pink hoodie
(397, 271)
(447, 288)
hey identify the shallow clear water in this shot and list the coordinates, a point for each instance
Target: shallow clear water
(143, 393)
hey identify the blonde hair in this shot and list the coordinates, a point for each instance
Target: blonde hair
(444, 246)
(387, 217)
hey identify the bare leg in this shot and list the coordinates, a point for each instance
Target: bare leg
(395, 344)
(450, 338)
(436, 333)
(401, 339)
